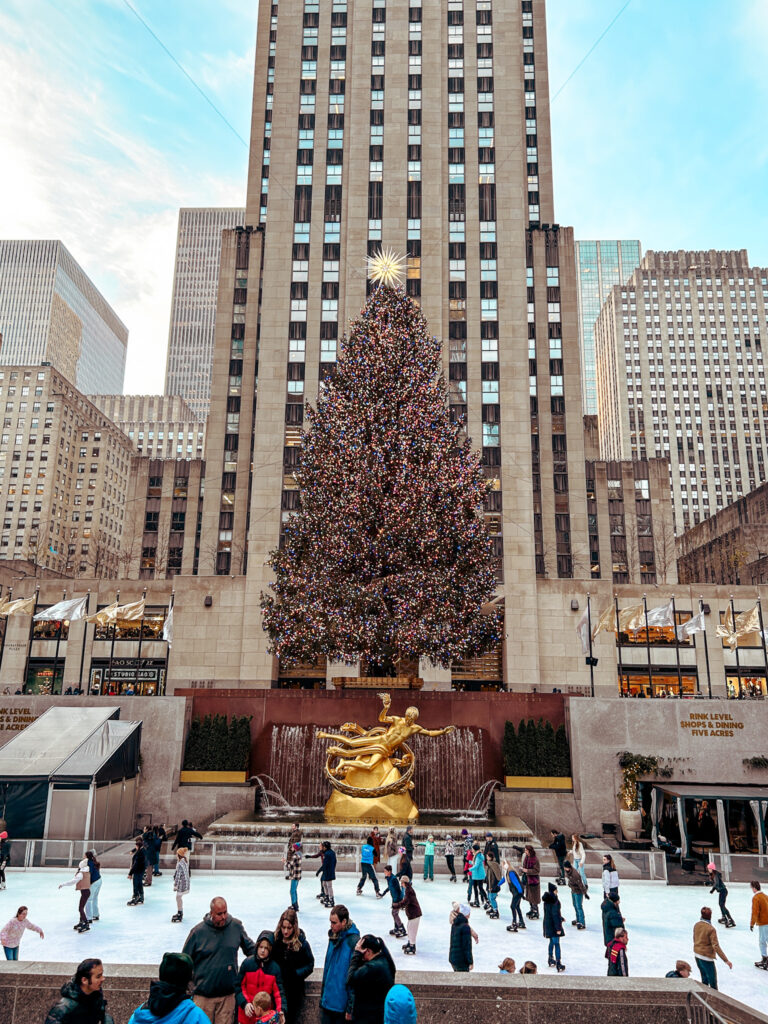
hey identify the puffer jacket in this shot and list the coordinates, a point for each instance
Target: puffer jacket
(612, 920)
(75, 1007)
(259, 975)
(334, 994)
(552, 923)
(168, 1004)
(460, 953)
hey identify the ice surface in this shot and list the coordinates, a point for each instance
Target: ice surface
(659, 919)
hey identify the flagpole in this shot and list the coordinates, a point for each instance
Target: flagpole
(85, 634)
(736, 645)
(112, 648)
(168, 643)
(592, 667)
(58, 641)
(648, 645)
(706, 655)
(29, 642)
(762, 634)
(5, 625)
(618, 644)
(141, 637)
(677, 649)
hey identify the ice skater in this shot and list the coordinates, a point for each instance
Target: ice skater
(449, 852)
(396, 892)
(616, 955)
(429, 858)
(181, 884)
(560, 850)
(410, 904)
(366, 865)
(82, 883)
(494, 880)
(328, 877)
(460, 951)
(760, 918)
(706, 948)
(579, 858)
(5, 856)
(477, 878)
(94, 868)
(610, 877)
(515, 886)
(293, 873)
(718, 886)
(391, 848)
(578, 892)
(532, 875)
(552, 926)
(136, 872)
(10, 936)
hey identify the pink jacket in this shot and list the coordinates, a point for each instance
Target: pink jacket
(11, 935)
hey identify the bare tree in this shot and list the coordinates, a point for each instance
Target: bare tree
(632, 553)
(161, 555)
(102, 557)
(665, 549)
(127, 555)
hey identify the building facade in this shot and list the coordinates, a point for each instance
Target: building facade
(680, 373)
(160, 426)
(50, 311)
(64, 470)
(599, 266)
(193, 306)
(729, 547)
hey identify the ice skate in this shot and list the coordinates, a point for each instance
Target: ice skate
(379, 896)
(132, 902)
(550, 962)
(511, 927)
(83, 928)
(560, 967)
(762, 964)
(453, 878)
(409, 950)
(177, 916)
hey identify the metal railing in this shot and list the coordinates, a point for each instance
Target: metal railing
(699, 1011)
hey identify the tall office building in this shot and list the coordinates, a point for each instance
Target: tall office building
(193, 307)
(160, 426)
(50, 311)
(680, 372)
(424, 127)
(599, 266)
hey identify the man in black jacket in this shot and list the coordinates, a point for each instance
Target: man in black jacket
(560, 850)
(213, 946)
(371, 975)
(82, 1001)
(612, 918)
(408, 842)
(138, 867)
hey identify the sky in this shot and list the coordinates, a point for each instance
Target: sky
(658, 135)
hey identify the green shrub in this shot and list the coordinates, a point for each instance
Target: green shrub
(537, 749)
(213, 745)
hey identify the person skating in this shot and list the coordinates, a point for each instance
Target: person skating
(136, 872)
(449, 852)
(515, 886)
(706, 948)
(366, 866)
(328, 876)
(612, 918)
(404, 866)
(760, 918)
(410, 904)
(92, 903)
(460, 952)
(532, 874)
(552, 926)
(293, 873)
(186, 837)
(168, 1001)
(391, 849)
(259, 972)
(376, 842)
(491, 846)
(578, 892)
(181, 885)
(319, 873)
(294, 955)
(82, 1001)
(408, 842)
(616, 955)
(5, 856)
(477, 878)
(560, 850)
(10, 936)
(429, 858)
(682, 970)
(610, 876)
(493, 880)
(579, 858)
(213, 945)
(466, 849)
(371, 975)
(396, 893)
(718, 886)
(335, 996)
(82, 883)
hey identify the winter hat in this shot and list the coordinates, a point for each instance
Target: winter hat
(3, 835)
(83, 865)
(401, 849)
(552, 887)
(711, 867)
(297, 846)
(465, 909)
(176, 969)
(430, 838)
(464, 832)
(448, 835)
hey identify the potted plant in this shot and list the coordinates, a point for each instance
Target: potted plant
(632, 767)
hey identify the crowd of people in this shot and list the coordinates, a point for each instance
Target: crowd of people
(204, 983)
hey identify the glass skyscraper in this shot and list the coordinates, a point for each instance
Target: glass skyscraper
(599, 266)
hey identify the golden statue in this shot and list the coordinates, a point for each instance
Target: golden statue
(373, 777)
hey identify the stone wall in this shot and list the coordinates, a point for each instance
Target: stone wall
(29, 989)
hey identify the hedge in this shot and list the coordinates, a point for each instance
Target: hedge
(537, 749)
(215, 746)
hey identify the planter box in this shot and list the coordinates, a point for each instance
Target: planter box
(564, 782)
(214, 778)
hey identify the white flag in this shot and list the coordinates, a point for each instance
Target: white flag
(168, 627)
(582, 631)
(64, 611)
(693, 625)
(661, 616)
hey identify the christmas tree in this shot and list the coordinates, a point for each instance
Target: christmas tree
(388, 557)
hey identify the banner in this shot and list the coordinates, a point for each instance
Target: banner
(114, 612)
(64, 611)
(693, 625)
(582, 631)
(23, 606)
(168, 627)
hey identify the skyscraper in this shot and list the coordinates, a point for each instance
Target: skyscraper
(599, 266)
(423, 127)
(193, 307)
(50, 311)
(680, 373)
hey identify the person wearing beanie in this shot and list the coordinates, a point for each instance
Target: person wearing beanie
(293, 873)
(82, 883)
(460, 951)
(400, 1006)
(552, 925)
(5, 856)
(718, 886)
(612, 918)
(467, 842)
(168, 1001)
(706, 948)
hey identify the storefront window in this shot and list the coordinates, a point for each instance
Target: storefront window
(50, 629)
(128, 677)
(753, 687)
(661, 636)
(41, 679)
(664, 682)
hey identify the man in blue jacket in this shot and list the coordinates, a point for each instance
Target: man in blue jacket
(367, 854)
(335, 997)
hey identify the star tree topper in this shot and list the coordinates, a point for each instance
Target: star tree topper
(386, 267)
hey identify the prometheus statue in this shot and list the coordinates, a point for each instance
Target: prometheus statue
(372, 776)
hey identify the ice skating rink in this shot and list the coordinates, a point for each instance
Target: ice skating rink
(659, 919)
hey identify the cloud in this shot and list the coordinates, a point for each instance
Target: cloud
(74, 170)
